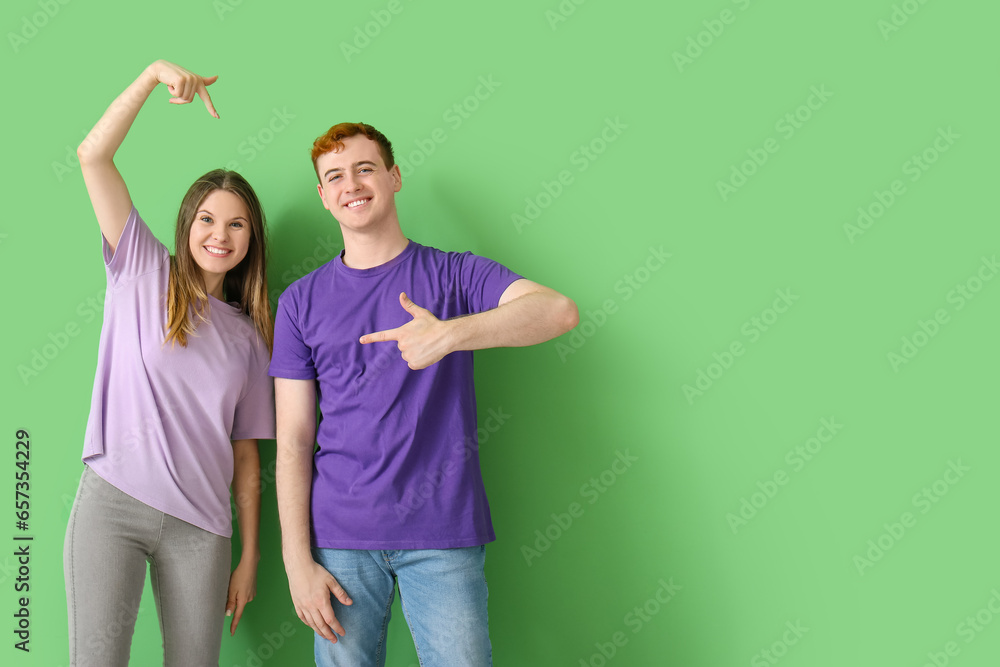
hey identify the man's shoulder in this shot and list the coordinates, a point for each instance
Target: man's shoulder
(304, 286)
(456, 257)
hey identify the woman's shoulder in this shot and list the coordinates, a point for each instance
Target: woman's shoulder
(137, 252)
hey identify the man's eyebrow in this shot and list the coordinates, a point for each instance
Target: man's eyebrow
(356, 164)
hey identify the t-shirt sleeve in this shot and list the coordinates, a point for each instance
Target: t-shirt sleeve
(254, 416)
(484, 281)
(292, 358)
(138, 252)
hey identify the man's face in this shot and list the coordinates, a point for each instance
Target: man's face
(355, 185)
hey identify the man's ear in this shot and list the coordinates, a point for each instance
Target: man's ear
(397, 177)
(322, 195)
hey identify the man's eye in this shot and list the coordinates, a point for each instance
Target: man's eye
(366, 169)
(333, 178)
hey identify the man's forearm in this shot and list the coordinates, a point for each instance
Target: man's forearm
(293, 476)
(528, 314)
(529, 319)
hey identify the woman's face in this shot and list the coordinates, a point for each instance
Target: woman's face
(220, 234)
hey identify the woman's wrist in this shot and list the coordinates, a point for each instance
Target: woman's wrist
(251, 556)
(150, 76)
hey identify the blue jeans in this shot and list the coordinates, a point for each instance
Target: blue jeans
(443, 595)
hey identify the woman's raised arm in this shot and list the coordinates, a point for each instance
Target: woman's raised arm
(105, 185)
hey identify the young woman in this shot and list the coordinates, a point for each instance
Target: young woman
(180, 398)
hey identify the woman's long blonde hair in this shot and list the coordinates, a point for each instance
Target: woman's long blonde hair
(246, 284)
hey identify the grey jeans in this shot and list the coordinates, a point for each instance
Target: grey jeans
(109, 540)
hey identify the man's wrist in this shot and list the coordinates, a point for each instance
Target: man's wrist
(456, 334)
(296, 557)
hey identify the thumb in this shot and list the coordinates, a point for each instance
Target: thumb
(209, 80)
(408, 305)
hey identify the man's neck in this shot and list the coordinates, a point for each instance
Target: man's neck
(367, 250)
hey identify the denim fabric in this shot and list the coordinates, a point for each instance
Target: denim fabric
(443, 595)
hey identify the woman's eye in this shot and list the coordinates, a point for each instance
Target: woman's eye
(207, 219)
(237, 224)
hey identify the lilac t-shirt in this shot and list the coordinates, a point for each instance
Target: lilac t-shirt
(162, 417)
(398, 459)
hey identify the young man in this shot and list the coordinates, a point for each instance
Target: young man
(382, 336)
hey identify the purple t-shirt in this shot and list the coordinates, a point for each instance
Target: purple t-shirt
(398, 459)
(162, 417)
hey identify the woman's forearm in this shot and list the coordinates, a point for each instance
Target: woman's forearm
(103, 141)
(246, 494)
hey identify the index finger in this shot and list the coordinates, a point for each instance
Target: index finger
(237, 615)
(205, 97)
(380, 336)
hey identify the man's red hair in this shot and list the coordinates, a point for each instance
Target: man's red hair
(333, 141)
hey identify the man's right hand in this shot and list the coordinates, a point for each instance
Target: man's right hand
(311, 585)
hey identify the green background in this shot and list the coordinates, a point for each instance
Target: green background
(617, 384)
